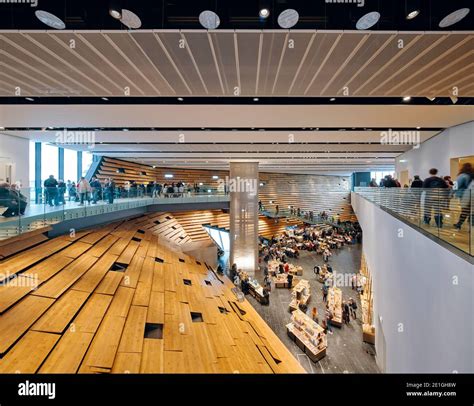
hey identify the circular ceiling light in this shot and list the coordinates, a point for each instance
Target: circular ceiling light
(264, 13)
(412, 14)
(130, 19)
(454, 17)
(407, 98)
(368, 20)
(288, 18)
(115, 13)
(50, 20)
(209, 19)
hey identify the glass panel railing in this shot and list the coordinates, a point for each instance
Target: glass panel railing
(27, 209)
(445, 213)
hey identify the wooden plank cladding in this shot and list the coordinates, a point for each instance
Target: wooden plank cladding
(308, 192)
(120, 301)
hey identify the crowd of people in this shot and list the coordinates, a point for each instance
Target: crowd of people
(440, 191)
(322, 240)
(81, 192)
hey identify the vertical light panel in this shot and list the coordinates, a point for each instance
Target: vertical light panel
(243, 187)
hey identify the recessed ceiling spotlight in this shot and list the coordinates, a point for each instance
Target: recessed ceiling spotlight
(418, 127)
(288, 18)
(368, 20)
(180, 99)
(105, 99)
(407, 98)
(50, 20)
(125, 129)
(332, 99)
(454, 17)
(209, 19)
(430, 98)
(412, 14)
(264, 13)
(130, 19)
(115, 11)
(255, 99)
(29, 99)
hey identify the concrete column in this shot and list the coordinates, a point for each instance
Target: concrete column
(243, 187)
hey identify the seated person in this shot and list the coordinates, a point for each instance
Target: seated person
(14, 202)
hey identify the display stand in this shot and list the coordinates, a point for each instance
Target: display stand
(335, 306)
(281, 281)
(366, 299)
(256, 290)
(301, 294)
(308, 335)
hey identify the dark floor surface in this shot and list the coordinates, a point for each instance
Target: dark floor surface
(346, 353)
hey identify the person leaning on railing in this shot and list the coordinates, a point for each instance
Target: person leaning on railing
(463, 192)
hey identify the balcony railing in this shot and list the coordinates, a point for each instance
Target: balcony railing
(27, 209)
(445, 213)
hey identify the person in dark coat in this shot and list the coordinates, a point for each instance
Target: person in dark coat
(51, 191)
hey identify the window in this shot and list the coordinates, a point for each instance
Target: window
(86, 161)
(379, 175)
(70, 165)
(49, 162)
(32, 164)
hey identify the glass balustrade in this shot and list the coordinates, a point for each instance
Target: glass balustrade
(27, 209)
(445, 213)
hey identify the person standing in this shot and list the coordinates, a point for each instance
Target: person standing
(325, 290)
(61, 192)
(434, 199)
(329, 317)
(83, 188)
(110, 190)
(353, 308)
(96, 189)
(290, 280)
(417, 182)
(314, 315)
(51, 190)
(464, 191)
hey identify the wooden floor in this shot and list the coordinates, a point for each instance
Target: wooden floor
(115, 300)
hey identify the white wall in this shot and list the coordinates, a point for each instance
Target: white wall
(15, 151)
(414, 291)
(453, 142)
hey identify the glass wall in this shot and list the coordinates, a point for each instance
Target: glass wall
(86, 162)
(32, 164)
(49, 161)
(70, 165)
(379, 175)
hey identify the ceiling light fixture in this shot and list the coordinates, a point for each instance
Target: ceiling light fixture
(29, 99)
(209, 20)
(264, 13)
(130, 19)
(288, 18)
(50, 20)
(255, 99)
(115, 10)
(180, 99)
(368, 20)
(454, 17)
(332, 99)
(407, 98)
(105, 99)
(412, 14)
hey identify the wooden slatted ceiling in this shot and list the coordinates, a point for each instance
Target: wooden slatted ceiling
(259, 63)
(87, 316)
(308, 192)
